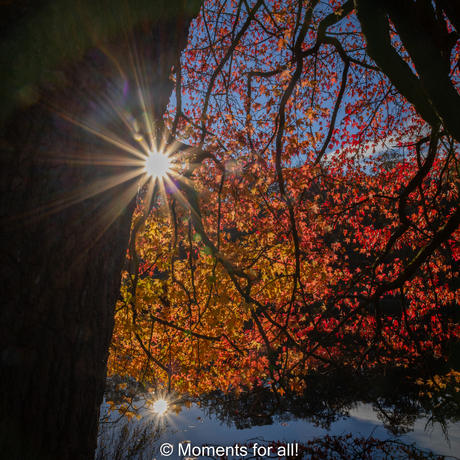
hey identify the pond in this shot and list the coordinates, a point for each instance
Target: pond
(241, 425)
(200, 428)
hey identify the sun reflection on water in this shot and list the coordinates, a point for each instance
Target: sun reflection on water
(160, 406)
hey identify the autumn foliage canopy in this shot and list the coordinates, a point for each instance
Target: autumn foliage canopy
(310, 220)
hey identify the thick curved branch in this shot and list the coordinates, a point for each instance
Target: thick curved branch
(335, 112)
(376, 30)
(279, 137)
(418, 30)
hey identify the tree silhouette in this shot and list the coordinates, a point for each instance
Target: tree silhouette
(70, 77)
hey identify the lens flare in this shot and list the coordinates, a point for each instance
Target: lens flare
(157, 164)
(160, 406)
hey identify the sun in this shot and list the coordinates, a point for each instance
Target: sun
(160, 406)
(157, 164)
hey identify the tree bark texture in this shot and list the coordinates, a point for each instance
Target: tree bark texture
(61, 256)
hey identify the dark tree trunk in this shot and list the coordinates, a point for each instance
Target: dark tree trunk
(61, 256)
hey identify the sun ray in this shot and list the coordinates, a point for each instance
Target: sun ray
(108, 217)
(88, 191)
(145, 164)
(107, 136)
